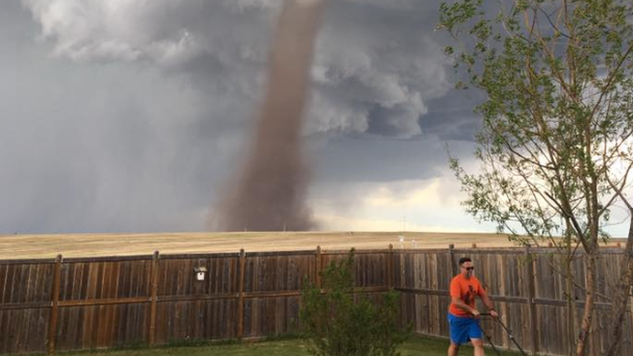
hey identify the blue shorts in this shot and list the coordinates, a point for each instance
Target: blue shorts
(463, 329)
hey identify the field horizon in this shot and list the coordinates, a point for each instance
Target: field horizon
(122, 244)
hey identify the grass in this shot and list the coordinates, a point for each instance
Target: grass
(418, 346)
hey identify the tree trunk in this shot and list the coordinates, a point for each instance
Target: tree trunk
(587, 316)
(622, 290)
(571, 300)
(572, 310)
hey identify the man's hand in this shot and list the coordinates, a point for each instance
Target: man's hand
(476, 313)
(494, 314)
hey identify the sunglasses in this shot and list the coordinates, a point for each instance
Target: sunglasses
(469, 268)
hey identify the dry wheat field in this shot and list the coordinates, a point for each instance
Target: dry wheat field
(87, 245)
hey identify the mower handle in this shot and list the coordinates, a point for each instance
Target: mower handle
(488, 314)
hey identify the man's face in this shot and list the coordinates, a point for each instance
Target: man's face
(467, 269)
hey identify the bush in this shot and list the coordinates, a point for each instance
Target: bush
(336, 322)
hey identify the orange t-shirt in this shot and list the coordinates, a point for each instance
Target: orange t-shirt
(466, 290)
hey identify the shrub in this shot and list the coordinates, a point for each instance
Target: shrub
(337, 322)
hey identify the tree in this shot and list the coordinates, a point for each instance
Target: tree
(335, 322)
(555, 145)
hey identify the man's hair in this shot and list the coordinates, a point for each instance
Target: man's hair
(464, 259)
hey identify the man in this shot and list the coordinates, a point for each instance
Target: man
(463, 317)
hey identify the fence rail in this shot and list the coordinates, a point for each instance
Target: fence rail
(82, 303)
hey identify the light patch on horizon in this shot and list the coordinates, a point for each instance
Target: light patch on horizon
(409, 194)
(346, 223)
(424, 205)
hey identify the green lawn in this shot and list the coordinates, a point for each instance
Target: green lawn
(417, 346)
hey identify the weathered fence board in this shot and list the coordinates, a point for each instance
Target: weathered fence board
(271, 316)
(192, 320)
(23, 330)
(100, 326)
(25, 296)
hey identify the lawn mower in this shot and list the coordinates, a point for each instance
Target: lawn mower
(508, 331)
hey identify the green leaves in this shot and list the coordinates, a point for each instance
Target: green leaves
(451, 16)
(557, 77)
(337, 322)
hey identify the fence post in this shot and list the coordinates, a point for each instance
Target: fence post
(390, 267)
(529, 270)
(52, 321)
(451, 258)
(317, 266)
(240, 302)
(153, 299)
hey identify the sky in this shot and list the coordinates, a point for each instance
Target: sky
(133, 115)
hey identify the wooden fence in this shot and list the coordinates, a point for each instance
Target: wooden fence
(84, 303)
(528, 289)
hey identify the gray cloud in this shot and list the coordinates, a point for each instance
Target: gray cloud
(127, 116)
(380, 61)
(373, 58)
(451, 117)
(379, 159)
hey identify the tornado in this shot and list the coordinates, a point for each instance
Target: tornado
(269, 193)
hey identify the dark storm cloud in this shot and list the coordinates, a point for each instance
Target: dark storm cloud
(378, 159)
(381, 64)
(369, 53)
(452, 117)
(84, 148)
(128, 116)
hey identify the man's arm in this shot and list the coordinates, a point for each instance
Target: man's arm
(463, 306)
(491, 308)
